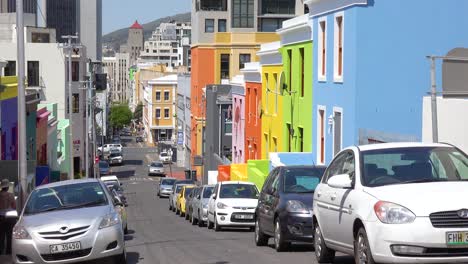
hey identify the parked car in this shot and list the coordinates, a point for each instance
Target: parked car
(199, 213)
(156, 168)
(125, 132)
(284, 209)
(115, 186)
(104, 168)
(120, 207)
(182, 199)
(165, 187)
(188, 203)
(107, 147)
(232, 203)
(139, 139)
(115, 158)
(110, 178)
(165, 158)
(394, 203)
(69, 221)
(175, 192)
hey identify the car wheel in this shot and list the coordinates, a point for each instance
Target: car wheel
(187, 216)
(200, 222)
(322, 252)
(121, 259)
(280, 244)
(177, 211)
(193, 220)
(210, 224)
(362, 251)
(126, 229)
(261, 239)
(217, 227)
(170, 207)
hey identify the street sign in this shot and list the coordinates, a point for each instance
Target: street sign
(180, 138)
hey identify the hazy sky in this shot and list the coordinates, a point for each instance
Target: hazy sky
(122, 13)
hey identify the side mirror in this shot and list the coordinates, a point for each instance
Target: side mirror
(340, 181)
(198, 196)
(213, 196)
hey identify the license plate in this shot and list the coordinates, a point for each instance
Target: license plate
(244, 216)
(65, 247)
(457, 238)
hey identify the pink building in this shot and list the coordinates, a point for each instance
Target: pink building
(238, 124)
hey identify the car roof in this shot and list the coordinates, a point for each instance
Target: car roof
(109, 178)
(208, 185)
(67, 182)
(236, 182)
(400, 145)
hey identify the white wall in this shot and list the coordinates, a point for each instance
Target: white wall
(452, 124)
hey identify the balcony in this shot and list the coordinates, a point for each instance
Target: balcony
(211, 5)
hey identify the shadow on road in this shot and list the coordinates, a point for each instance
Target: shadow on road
(133, 257)
(235, 230)
(133, 162)
(298, 248)
(124, 174)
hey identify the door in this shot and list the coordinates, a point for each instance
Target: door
(264, 196)
(271, 196)
(212, 203)
(321, 138)
(337, 133)
(341, 205)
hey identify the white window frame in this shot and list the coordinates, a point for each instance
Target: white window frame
(325, 122)
(337, 110)
(322, 77)
(159, 113)
(338, 78)
(164, 113)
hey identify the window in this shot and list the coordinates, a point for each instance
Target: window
(75, 71)
(275, 80)
(270, 24)
(243, 13)
(257, 110)
(158, 96)
(267, 90)
(10, 69)
(301, 53)
(337, 130)
(76, 103)
(287, 7)
(321, 135)
(158, 113)
(301, 139)
(266, 145)
(243, 59)
(166, 113)
(166, 95)
(249, 110)
(212, 5)
(209, 25)
(275, 144)
(289, 133)
(338, 45)
(322, 51)
(225, 66)
(290, 58)
(222, 25)
(37, 37)
(33, 73)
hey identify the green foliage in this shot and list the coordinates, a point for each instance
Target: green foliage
(120, 115)
(138, 114)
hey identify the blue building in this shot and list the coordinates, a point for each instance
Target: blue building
(370, 70)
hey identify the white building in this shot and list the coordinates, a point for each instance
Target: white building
(183, 121)
(169, 45)
(117, 69)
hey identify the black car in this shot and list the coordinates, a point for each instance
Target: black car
(284, 209)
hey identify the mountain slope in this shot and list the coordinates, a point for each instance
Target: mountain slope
(119, 37)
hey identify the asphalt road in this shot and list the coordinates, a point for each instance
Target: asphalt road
(157, 235)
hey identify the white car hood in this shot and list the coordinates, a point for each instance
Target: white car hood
(239, 202)
(424, 198)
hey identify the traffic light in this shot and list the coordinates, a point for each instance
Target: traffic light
(100, 81)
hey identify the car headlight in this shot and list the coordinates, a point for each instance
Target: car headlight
(109, 220)
(220, 205)
(390, 213)
(295, 206)
(20, 232)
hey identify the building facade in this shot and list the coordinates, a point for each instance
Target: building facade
(160, 104)
(117, 69)
(183, 121)
(238, 121)
(135, 42)
(9, 118)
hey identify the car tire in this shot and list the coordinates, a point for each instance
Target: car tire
(187, 216)
(322, 253)
(121, 259)
(193, 220)
(217, 227)
(210, 224)
(280, 244)
(126, 229)
(177, 211)
(200, 222)
(261, 239)
(362, 251)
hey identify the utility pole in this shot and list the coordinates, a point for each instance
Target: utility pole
(69, 48)
(22, 140)
(435, 129)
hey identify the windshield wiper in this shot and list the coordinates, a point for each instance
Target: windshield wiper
(422, 181)
(82, 205)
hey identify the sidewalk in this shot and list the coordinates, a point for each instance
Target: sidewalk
(5, 259)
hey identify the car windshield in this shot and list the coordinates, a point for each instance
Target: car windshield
(188, 191)
(113, 155)
(238, 191)
(413, 165)
(164, 154)
(65, 197)
(207, 192)
(103, 165)
(186, 182)
(157, 165)
(301, 180)
(113, 184)
(168, 181)
(178, 188)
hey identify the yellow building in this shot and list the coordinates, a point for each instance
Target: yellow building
(159, 109)
(272, 99)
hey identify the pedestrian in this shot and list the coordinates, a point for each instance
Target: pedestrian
(7, 203)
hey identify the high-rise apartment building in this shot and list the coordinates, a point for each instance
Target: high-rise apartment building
(62, 15)
(9, 6)
(117, 69)
(135, 42)
(169, 45)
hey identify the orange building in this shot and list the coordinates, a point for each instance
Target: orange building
(253, 111)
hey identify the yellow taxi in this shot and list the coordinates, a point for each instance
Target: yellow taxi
(181, 199)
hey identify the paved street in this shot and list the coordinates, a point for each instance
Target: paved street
(159, 236)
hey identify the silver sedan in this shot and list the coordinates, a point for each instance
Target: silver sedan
(69, 222)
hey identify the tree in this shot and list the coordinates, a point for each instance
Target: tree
(138, 114)
(120, 115)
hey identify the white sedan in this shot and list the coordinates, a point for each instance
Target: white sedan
(233, 204)
(394, 203)
(164, 157)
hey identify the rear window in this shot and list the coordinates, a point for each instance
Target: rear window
(164, 154)
(168, 182)
(157, 165)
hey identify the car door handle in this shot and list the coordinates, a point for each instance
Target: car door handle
(333, 197)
